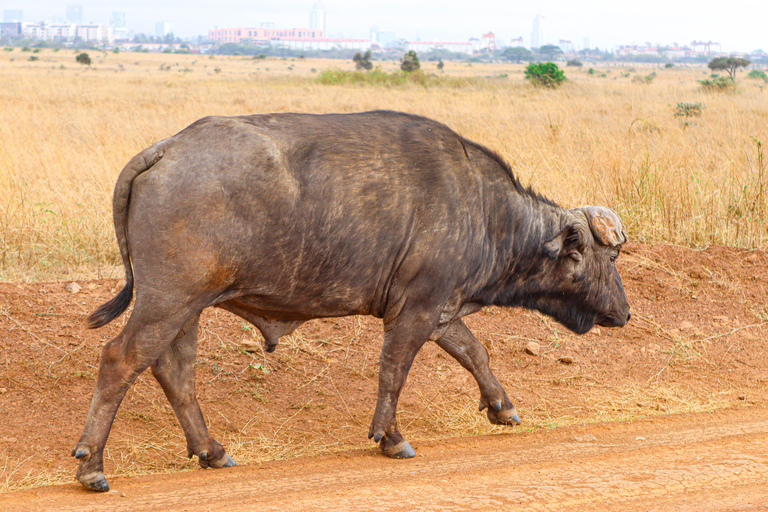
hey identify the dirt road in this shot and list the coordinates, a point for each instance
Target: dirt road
(716, 461)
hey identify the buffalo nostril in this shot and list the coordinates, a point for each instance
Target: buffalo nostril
(629, 315)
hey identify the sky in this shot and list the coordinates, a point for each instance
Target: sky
(741, 26)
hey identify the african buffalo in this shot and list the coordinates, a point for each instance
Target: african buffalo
(283, 218)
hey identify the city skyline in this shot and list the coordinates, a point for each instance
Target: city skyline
(607, 25)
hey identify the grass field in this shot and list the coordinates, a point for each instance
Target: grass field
(67, 130)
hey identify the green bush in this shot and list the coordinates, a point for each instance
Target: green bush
(718, 84)
(591, 71)
(545, 74)
(669, 65)
(687, 110)
(574, 63)
(410, 62)
(756, 74)
(363, 60)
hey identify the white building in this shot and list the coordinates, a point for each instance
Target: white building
(426, 46)
(45, 31)
(383, 38)
(317, 17)
(537, 34)
(326, 43)
(163, 28)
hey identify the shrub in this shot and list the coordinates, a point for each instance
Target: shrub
(363, 60)
(591, 71)
(410, 62)
(669, 65)
(756, 74)
(440, 64)
(33, 58)
(688, 110)
(574, 63)
(647, 79)
(718, 84)
(545, 74)
(83, 59)
(26, 49)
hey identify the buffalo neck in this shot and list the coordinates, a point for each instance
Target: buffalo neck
(526, 221)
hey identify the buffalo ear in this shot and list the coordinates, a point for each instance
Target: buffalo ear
(569, 242)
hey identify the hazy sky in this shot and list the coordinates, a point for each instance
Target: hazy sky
(741, 26)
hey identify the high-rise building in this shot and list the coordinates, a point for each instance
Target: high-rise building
(10, 15)
(317, 17)
(163, 28)
(537, 35)
(74, 13)
(588, 43)
(383, 38)
(118, 19)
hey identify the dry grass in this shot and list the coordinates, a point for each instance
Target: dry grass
(68, 130)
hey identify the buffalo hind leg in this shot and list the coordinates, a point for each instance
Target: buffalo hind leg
(175, 371)
(144, 338)
(401, 344)
(462, 345)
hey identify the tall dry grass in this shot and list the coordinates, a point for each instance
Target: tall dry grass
(67, 130)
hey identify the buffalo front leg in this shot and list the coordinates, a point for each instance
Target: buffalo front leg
(175, 371)
(401, 344)
(462, 345)
(141, 342)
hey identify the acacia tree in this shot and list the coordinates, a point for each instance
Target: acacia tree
(83, 59)
(363, 60)
(516, 54)
(729, 64)
(550, 50)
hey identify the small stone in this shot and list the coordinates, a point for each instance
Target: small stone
(122, 495)
(685, 324)
(640, 404)
(3, 391)
(565, 359)
(742, 397)
(532, 348)
(752, 258)
(250, 346)
(661, 408)
(639, 438)
(595, 330)
(73, 288)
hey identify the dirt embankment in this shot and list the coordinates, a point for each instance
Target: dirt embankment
(697, 342)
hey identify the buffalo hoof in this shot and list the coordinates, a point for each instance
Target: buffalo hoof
(503, 417)
(94, 481)
(225, 461)
(402, 450)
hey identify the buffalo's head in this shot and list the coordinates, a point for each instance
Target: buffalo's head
(582, 287)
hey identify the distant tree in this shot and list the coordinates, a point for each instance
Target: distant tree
(729, 64)
(83, 59)
(440, 64)
(545, 74)
(516, 54)
(410, 62)
(550, 50)
(363, 60)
